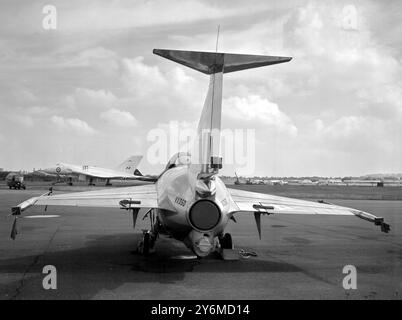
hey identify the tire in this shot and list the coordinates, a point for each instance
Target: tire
(146, 244)
(9, 187)
(226, 241)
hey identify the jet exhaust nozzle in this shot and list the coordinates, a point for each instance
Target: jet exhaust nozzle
(204, 215)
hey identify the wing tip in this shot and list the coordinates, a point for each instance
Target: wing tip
(385, 227)
(16, 211)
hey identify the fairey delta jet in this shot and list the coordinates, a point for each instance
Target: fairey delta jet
(126, 170)
(188, 201)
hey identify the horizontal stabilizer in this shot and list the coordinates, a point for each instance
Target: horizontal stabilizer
(214, 62)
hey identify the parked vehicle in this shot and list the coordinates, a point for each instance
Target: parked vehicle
(15, 180)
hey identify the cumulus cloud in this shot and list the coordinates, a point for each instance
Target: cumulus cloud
(119, 118)
(140, 78)
(94, 57)
(94, 98)
(128, 14)
(167, 89)
(354, 134)
(346, 59)
(254, 110)
(382, 101)
(23, 120)
(72, 124)
(36, 110)
(344, 129)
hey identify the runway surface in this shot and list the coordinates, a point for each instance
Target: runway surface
(299, 257)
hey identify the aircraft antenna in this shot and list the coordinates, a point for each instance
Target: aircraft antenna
(217, 39)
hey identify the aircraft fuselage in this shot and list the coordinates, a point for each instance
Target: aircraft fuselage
(192, 210)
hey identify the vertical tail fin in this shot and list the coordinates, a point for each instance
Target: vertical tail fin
(209, 125)
(214, 64)
(129, 165)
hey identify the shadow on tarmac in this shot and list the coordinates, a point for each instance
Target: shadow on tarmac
(109, 261)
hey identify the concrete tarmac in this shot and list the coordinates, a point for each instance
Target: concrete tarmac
(299, 257)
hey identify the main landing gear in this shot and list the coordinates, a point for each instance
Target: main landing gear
(147, 244)
(226, 248)
(226, 241)
(91, 182)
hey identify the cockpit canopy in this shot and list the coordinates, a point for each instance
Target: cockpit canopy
(179, 159)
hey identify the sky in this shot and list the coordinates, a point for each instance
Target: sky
(91, 91)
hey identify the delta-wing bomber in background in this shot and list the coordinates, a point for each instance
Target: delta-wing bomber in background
(189, 201)
(125, 170)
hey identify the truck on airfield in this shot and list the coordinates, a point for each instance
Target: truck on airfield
(15, 180)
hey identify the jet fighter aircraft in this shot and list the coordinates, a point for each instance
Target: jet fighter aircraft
(189, 201)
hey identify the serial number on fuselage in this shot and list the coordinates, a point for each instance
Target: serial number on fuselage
(180, 201)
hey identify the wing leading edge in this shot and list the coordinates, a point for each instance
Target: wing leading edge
(144, 196)
(259, 203)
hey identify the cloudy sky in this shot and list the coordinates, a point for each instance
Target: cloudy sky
(90, 91)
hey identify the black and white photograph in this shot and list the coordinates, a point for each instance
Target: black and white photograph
(200, 154)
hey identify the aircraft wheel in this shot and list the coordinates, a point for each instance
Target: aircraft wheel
(9, 187)
(146, 243)
(226, 241)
